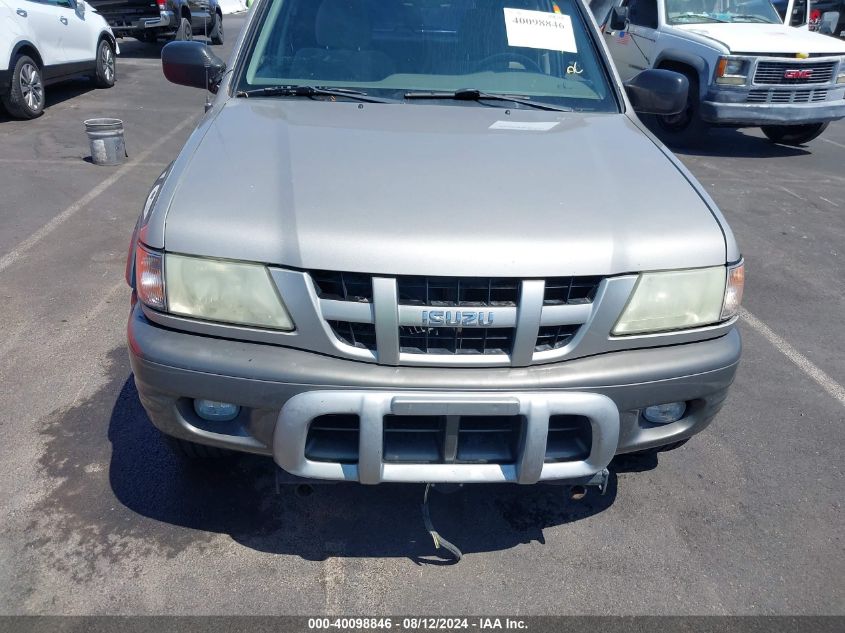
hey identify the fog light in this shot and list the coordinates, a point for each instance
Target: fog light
(214, 411)
(665, 413)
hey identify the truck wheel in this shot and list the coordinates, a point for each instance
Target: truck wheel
(196, 452)
(105, 74)
(184, 33)
(217, 30)
(26, 94)
(793, 134)
(685, 129)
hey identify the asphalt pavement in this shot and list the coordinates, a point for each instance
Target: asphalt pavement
(98, 516)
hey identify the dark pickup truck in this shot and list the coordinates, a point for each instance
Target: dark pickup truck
(151, 20)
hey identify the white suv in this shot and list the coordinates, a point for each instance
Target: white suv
(44, 42)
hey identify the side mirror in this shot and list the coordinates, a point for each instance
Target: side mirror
(192, 64)
(657, 91)
(80, 8)
(618, 18)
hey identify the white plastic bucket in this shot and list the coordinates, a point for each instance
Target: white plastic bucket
(106, 139)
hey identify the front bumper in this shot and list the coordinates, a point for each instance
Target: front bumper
(730, 107)
(281, 390)
(165, 20)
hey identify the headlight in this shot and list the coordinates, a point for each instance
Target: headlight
(675, 300)
(840, 79)
(228, 292)
(732, 71)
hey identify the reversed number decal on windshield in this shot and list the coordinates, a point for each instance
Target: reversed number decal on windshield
(537, 29)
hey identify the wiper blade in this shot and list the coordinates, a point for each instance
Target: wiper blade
(704, 16)
(312, 91)
(750, 18)
(470, 94)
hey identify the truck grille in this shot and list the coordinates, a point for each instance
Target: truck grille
(457, 291)
(455, 340)
(426, 320)
(775, 72)
(805, 95)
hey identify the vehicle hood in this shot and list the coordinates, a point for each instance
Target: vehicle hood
(435, 190)
(766, 38)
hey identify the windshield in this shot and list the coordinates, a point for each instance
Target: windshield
(536, 49)
(712, 11)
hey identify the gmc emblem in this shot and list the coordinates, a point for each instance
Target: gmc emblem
(797, 74)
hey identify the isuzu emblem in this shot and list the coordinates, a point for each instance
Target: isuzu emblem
(457, 318)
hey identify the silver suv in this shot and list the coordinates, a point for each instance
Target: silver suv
(430, 242)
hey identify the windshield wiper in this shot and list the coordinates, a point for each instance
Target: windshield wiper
(698, 16)
(469, 94)
(748, 17)
(312, 91)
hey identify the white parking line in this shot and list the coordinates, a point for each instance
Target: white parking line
(804, 364)
(67, 162)
(15, 254)
(791, 193)
(827, 140)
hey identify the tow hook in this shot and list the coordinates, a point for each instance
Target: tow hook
(599, 480)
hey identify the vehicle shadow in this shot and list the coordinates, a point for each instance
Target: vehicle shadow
(157, 491)
(727, 142)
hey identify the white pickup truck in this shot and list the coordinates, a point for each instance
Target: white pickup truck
(745, 67)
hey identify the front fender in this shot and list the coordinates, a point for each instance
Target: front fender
(143, 218)
(701, 65)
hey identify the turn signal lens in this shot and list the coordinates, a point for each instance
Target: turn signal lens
(733, 290)
(732, 70)
(149, 278)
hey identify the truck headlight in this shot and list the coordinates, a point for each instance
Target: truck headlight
(840, 78)
(732, 71)
(682, 299)
(229, 292)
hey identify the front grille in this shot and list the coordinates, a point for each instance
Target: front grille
(773, 72)
(343, 286)
(455, 340)
(569, 290)
(457, 291)
(453, 317)
(555, 336)
(440, 439)
(804, 95)
(360, 335)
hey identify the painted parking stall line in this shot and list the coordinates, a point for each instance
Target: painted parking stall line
(21, 249)
(807, 366)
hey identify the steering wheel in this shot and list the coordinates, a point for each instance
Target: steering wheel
(488, 63)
